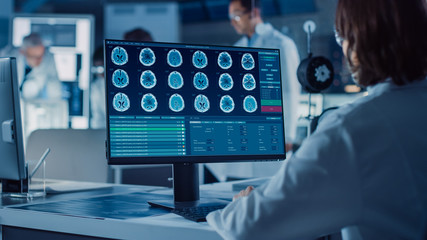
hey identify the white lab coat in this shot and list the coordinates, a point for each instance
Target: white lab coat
(97, 103)
(363, 171)
(267, 37)
(42, 82)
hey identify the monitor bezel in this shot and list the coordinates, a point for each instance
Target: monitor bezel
(189, 159)
(16, 163)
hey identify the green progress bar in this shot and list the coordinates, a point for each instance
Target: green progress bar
(147, 129)
(271, 102)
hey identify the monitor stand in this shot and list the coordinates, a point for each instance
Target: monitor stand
(186, 189)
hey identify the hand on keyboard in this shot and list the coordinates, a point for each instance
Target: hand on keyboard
(197, 214)
(243, 193)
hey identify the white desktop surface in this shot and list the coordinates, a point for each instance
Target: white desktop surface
(168, 226)
(165, 226)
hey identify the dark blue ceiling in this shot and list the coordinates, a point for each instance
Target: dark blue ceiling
(191, 10)
(211, 10)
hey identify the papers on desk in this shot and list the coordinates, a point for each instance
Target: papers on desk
(61, 186)
(118, 206)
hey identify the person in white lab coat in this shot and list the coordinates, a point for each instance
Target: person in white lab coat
(245, 17)
(364, 171)
(36, 68)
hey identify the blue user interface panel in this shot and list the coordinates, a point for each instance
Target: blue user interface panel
(182, 101)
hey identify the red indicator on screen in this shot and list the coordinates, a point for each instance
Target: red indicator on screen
(271, 108)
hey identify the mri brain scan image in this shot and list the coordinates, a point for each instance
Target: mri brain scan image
(200, 81)
(121, 102)
(149, 102)
(226, 104)
(224, 60)
(148, 79)
(176, 103)
(248, 62)
(119, 56)
(225, 82)
(147, 57)
(120, 78)
(249, 104)
(200, 60)
(174, 58)
(175, 80)
(201, 103)
(248, 82)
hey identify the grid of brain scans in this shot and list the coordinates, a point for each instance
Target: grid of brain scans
(211, 70)
(189, 82)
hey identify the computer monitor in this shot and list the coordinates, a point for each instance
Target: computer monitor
(12, 159)
(185, 104)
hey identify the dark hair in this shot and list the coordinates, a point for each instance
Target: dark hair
(138, 34)
(388, 37)
(247, 4)
(98, 54)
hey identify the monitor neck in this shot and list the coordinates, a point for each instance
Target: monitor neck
(186, 182)
(186, 189)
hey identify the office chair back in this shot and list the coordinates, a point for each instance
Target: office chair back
(76, 154)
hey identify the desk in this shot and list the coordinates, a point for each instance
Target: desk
(29, 224)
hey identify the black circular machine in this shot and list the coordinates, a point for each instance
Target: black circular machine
(315, 74)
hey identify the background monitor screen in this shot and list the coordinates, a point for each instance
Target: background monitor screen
(178, 103)
(12, 160)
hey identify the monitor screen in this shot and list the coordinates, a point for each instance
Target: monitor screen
(12, 160)
(180, 103)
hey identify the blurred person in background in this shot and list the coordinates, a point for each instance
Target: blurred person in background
(245, 17)
(97, 91)
(138, 34)
(97, 94)
(38, 78)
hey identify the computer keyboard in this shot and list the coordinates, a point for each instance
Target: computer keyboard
(197, 214)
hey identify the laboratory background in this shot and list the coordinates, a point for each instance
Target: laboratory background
(73, 32)
(72, 40)
(68, 108)
(81, 160)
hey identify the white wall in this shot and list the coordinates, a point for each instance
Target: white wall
(160, 19)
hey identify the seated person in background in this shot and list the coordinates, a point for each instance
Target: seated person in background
(97, 94)
(363, 171)
(97, 91)
(37, 74)
(138, 34)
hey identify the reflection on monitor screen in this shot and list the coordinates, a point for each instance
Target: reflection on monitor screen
(186, 104)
